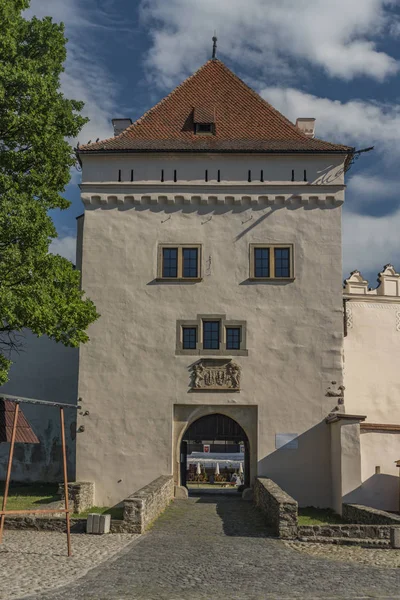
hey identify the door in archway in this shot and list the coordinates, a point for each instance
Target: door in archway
(219, 435)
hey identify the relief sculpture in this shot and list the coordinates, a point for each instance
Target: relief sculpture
(212, 374)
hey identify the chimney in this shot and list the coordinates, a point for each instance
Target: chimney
(307, 126)
(120, 125)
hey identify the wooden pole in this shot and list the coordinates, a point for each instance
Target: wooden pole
(10, 459)
(65, 480)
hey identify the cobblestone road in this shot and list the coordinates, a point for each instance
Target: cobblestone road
(214, 548)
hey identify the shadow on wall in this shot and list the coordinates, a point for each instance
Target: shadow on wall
(381, 491)
(303, 472)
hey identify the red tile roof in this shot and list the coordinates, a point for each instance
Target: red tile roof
(24, 431)
(244, 122)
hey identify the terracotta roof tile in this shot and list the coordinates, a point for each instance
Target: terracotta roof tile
(244, 122)
(24, 431)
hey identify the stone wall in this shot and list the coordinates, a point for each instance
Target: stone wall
(44, 523)
(279, 508)
(80, 495)
(144, 506)
(380, 532)
(356, 513)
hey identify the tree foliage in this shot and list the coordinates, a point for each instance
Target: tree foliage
(38, 290)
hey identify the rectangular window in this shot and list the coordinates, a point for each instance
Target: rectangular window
(211, 335)
(189, 338)
(170, 262)
(233, 338)
(282, 262)
(179, 262)
(273, 261)
(261, 262)
(190, 262)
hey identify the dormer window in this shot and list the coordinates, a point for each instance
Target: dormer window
(204, 128)
(204, 121)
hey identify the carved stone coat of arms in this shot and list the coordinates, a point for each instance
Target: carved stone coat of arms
(214, 374)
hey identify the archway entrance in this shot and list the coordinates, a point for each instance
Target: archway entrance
(215, 450)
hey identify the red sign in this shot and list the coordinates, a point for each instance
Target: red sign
(206, 448)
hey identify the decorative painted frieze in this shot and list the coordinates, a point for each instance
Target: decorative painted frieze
(210, 374)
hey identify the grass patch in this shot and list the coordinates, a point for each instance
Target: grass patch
(22, 496)
(115, 512)
(319, 516)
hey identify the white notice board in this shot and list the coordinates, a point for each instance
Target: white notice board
(286, 440)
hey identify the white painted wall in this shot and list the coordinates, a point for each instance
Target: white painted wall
(371, 375)
(380, 449)
(130, 377)
(321, 170)
(372, 350)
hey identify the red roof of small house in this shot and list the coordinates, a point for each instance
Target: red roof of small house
(24, 431)
(243, 121)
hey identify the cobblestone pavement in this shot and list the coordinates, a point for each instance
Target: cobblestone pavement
(215, 548)
(36, 561)
(368, 556)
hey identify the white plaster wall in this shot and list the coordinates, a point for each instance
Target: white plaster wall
(320, 169)
(379, 449)
(130, 377)
(372, 350)
(46, 371)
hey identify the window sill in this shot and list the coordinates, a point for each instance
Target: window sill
(271, 279)
(212, 353)
(179, 279)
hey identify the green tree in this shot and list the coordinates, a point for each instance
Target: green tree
(38, 291)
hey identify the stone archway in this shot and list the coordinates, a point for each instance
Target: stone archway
(244, 416)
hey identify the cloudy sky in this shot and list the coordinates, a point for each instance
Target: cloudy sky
(337, 61)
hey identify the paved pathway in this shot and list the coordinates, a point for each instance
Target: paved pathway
(214, 548)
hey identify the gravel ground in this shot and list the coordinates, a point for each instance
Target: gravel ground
(35, 562)
(367, 556)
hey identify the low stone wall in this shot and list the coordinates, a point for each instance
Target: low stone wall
(80, 495)
(356, 513)
(280, 509)
(144, 506)
(379, 532)
(44, 523)
(55, 524)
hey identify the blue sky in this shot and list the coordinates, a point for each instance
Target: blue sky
(338, 62)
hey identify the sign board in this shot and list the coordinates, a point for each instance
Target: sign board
(241, 448)
(206, 448)
(286, 440)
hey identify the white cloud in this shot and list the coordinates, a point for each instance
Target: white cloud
(65, 246)
(369, 243)
(85, 78)
(357, 122)
(276, 37)
(372, 186)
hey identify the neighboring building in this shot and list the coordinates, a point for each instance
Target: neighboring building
(211, 246)
(46, 371)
